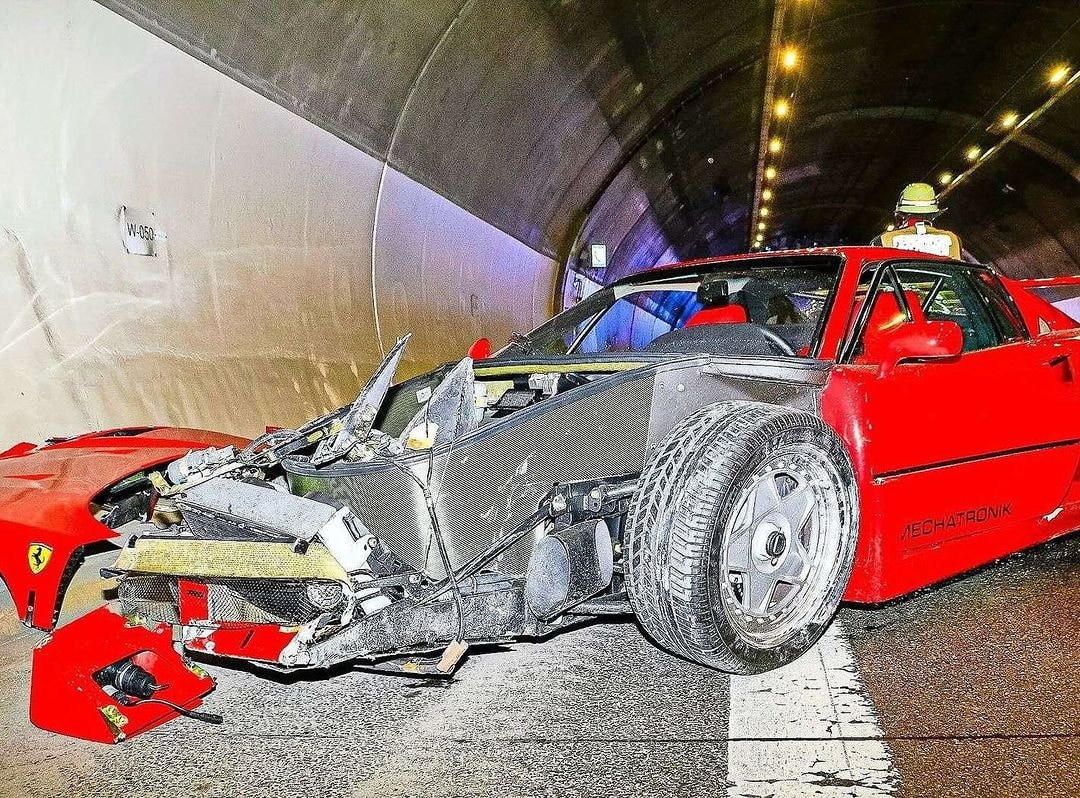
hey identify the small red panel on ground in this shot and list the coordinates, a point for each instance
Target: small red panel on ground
(65, 698)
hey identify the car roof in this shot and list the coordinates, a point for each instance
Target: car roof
(851, 253)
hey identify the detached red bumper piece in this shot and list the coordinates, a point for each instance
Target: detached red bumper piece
(99, 678)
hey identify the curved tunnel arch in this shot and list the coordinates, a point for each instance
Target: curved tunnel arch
(831, 190)
(525, 115)
(460, 152)
(440, 42)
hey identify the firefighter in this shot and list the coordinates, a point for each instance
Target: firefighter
(915, 210)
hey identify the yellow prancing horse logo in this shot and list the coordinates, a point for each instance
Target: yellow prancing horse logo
(38, 557)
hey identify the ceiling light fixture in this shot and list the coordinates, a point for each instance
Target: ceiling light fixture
(770, 173)
(1058, 74)
(1062, 77)
(775, 145)
(782, 108)
(789, 58)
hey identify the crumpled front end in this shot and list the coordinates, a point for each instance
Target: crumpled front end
(65, 496)
(394, 528)
(255, 572)
(249, 565)
(467, 505)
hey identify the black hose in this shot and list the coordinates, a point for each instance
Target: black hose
(206, 717)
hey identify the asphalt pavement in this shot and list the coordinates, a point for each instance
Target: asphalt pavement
(970, 689)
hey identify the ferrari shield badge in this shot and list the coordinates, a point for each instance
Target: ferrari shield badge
(38, 557)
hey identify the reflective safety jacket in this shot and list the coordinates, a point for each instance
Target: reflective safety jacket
(921, 237)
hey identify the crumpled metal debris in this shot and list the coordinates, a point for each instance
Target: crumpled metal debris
(448, 414)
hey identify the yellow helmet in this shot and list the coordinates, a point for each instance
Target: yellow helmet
(918, 198)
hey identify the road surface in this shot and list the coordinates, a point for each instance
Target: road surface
(969, 689)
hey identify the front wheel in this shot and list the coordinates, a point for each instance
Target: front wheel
(741, 536)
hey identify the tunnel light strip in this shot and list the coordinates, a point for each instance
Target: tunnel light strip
(775, 55)
(1014, 131)
(785, 59)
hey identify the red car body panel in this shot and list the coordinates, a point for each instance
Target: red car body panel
(958, 462)
(259, 642)
(934, 507)
(45, 496)
(67, 699)
(1035, 307)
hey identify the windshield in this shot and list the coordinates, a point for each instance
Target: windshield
(766, 306)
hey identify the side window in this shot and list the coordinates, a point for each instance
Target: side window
(561, 345)
(637, 319)
(1002, 309)
(957, 294)
(886, 311)
(907, 293)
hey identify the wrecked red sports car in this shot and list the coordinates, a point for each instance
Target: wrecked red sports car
(725, 448)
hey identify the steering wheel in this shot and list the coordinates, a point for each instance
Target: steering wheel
(774, 340)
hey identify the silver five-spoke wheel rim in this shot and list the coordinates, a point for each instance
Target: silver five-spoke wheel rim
(782, 545)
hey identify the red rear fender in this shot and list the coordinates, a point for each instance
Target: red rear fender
(1038, 313)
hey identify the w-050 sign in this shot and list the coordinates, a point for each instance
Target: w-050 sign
(139, 231)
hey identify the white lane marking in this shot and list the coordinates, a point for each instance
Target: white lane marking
(808, 728)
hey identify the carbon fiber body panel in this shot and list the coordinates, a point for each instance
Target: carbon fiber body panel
(491, 480)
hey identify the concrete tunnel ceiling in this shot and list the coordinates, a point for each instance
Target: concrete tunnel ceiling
(639, 124)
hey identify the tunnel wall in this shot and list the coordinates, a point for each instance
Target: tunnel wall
(557, 122)
(259, 307)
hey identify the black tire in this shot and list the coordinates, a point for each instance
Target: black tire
(692, 515)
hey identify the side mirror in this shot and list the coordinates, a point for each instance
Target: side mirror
(481, 350)
(926, 340)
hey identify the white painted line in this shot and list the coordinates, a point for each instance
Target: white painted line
(803, 730)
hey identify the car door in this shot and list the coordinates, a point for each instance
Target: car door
(962, 456)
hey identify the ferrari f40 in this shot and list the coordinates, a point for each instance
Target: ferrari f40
(726, 449)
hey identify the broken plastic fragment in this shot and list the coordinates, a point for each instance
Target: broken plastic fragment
(357, 423)
(448, 414)
(423, 436)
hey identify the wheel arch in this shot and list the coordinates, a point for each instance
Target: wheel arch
(684, 387)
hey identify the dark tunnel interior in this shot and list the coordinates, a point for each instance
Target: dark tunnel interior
(640, 124)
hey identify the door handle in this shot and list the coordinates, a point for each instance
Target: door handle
(1063, 359)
